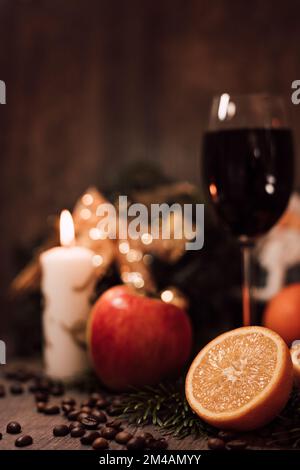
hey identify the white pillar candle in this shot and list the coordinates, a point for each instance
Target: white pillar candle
(68, 280)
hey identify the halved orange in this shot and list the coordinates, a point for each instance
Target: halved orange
(295, 354)
(241, 380)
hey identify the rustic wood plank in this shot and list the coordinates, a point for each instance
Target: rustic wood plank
(22, 408)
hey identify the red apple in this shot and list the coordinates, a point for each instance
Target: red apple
(135, 340)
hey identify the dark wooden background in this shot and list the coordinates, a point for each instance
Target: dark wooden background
(93, 85)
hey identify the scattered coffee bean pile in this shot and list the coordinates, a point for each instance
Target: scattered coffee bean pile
(226, 440)
(93, 421)
(16, 388)
(13, 427)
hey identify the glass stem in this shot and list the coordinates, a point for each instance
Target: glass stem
(246, 287)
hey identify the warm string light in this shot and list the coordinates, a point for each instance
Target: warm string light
(87, 199)
(167, 296)
(135, 257)
(97, 260)
(85, 214)
(95, 233)
(134, 278)
(124, 248)
(146, 238)
(174, 296)
(132, 255)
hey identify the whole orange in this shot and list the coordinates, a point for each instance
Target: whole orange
(282, 313)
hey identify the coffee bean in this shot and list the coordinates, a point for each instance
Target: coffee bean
(117, 402)
(75, 424)
(40, 407)
(108, 432)
(123, 437)
(156, 444)
(20, 375)
(99, 416)
(33, 387)
(69, 401)
(41, 396)
(51, 410)
(82, 415)
(100, 443)
(77, 432)
(115, 423)
(161, 444)
(86, 402)
(60, 430)
(73, 415)
(112, 410)
(227, 435)
(94, 397)
(25, 375)
(89, 438)
(151, 443)
(16, 389)
(216, 444)
(13, 427)
(89, 422)
(57, 390)
(146, 435)
(135, 443)
(101, 403)
(2, 391)
(57, 383)
(10, 375)
(42, 385)
(24, 441)
(67, 409)
(236, 444)
(86, 409)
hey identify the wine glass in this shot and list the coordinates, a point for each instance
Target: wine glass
(248, 169)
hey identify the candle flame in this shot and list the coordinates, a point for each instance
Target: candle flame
(67, 234)
(223, 106)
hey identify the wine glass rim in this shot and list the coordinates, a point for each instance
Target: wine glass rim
(261, 95)
(265, 109)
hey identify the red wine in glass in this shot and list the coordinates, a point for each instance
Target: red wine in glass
(249, 173)
(247, 168)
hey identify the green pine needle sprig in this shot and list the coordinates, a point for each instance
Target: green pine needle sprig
(165, 406)
(289, 422)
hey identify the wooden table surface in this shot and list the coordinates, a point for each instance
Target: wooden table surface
(22, 408)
